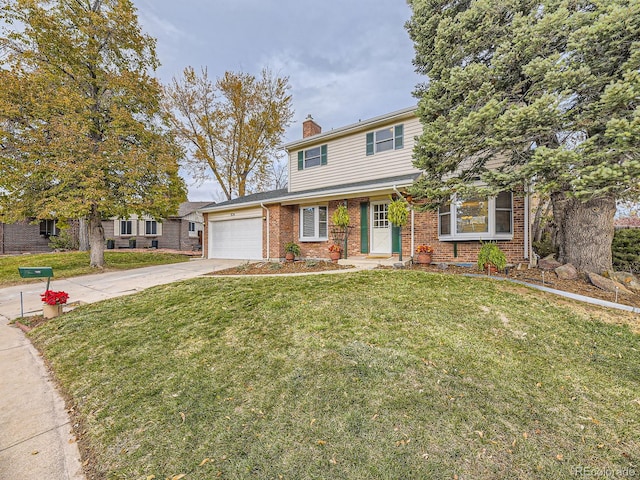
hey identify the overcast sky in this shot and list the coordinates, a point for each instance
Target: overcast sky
(346, 59)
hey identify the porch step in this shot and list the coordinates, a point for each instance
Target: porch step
(371, 262)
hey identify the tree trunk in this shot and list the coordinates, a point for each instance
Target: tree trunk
(83, 235)
(585, 231)
(96, 238)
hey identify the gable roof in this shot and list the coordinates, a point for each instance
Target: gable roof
(361, 125)
(186, 208)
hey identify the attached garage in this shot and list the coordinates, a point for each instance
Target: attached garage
(239, 238)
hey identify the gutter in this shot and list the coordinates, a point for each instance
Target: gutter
(268, 231)
(409, 112)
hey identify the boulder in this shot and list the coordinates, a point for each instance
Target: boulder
(548, 263)
(566, 272)
(607, 284)
(629, 280)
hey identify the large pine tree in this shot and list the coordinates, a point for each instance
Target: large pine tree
(81, 132)
(551, 87)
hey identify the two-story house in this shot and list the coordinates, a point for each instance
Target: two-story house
(362, 166)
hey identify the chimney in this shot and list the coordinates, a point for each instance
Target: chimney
(310, 128)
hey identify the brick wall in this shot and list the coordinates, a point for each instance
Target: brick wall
(22, 237)
(285, 225)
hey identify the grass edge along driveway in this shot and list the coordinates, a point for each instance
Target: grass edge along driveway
(73, 264)
(370, 375)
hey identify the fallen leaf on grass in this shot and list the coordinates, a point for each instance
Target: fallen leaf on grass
(559, 457)
(206, 460)
(183, 416)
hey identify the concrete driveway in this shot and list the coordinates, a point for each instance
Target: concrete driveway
(36, 437)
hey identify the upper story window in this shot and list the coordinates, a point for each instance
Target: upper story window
(391, 138)
(477, 218)
(48, 228)
(312, 157)
(313, 223)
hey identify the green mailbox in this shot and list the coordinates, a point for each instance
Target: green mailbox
(37, 272)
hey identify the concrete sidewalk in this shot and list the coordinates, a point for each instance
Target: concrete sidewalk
(36, 437)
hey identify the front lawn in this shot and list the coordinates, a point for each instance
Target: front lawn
(72, 264)
(370, 375)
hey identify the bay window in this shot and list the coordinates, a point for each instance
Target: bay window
(476, 218)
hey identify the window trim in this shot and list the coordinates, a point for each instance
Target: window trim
(454, 236)
(397, 139)
(124, 234)
(155, 223)
(50, 228)
(302, 157)
(316, 223)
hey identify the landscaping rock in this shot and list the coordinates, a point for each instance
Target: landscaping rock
(548, 263)
(566, 272)
(629, 280)
(607, 284)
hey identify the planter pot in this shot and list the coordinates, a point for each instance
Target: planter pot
(51, 311)
(111, 244)
(132, 243)
(334, 256)
(490, 269)
(289, 257)
(423, 259)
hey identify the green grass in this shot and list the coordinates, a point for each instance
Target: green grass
(72, 264)
(371, 375)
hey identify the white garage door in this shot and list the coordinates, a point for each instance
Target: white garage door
(238, 239)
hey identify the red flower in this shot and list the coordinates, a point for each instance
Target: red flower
(54, 298)
(335, 248)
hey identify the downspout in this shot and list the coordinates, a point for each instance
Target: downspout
(527, 226)
(268, 232)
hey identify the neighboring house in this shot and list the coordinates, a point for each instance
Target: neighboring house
(630, 221)
(29, 236)
(361, 165)
(180, 232)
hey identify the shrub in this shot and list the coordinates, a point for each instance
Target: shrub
(490, 253)
(626, 250)
(63, 241)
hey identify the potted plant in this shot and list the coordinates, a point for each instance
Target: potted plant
(132, 242)
(340, 219)
(398, 215)
(491, 258)
(111, 244)
(291, 251)
(53, 302)
(423, 254)
(334, 252)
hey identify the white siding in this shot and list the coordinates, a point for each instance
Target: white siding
(348, 162)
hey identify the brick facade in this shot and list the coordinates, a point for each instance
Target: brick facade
(22, 237)
(284, 225)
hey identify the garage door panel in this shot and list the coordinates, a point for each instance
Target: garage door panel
(237, 239)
